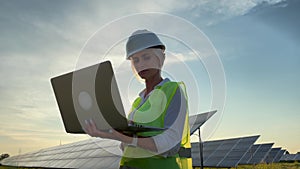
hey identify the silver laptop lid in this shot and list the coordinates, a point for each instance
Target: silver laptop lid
(90, 93)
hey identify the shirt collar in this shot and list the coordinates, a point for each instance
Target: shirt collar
(141, 94)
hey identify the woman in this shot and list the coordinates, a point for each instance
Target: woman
(161, 104)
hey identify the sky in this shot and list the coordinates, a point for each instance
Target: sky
(246, 65)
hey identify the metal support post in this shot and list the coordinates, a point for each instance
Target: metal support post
(201, 148)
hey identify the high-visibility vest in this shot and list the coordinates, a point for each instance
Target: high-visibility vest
(152, 113)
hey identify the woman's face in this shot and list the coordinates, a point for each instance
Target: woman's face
(146, 63)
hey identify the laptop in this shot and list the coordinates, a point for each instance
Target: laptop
(92, 93)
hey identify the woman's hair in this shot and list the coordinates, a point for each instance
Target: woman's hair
(160, 54)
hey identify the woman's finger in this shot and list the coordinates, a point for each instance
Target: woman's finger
(92, 124)
(87, 123)
(89, 128)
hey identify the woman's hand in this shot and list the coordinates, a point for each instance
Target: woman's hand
(122, 146)
(91, 129)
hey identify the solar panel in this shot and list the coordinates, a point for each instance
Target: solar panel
(290, 157)
(278, 156)
(297, 156)
(246, 158)
(287, 157)
(210, 148)
(198, 120)
(72, 163)
(261, 153)
(272, 154)
(222, 153)
(237, 152)
(83, 154)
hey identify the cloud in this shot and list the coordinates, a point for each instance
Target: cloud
(210, 12)
(38, 47)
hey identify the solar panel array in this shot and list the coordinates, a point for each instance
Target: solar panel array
(222, 153)
(89, 153)
(95, 153)
(83, 154)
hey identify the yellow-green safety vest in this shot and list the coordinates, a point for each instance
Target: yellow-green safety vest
(152, 113)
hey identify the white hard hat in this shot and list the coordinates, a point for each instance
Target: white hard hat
(140, 40)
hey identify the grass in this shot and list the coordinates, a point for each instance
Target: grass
(295, 165)
(6, 167)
